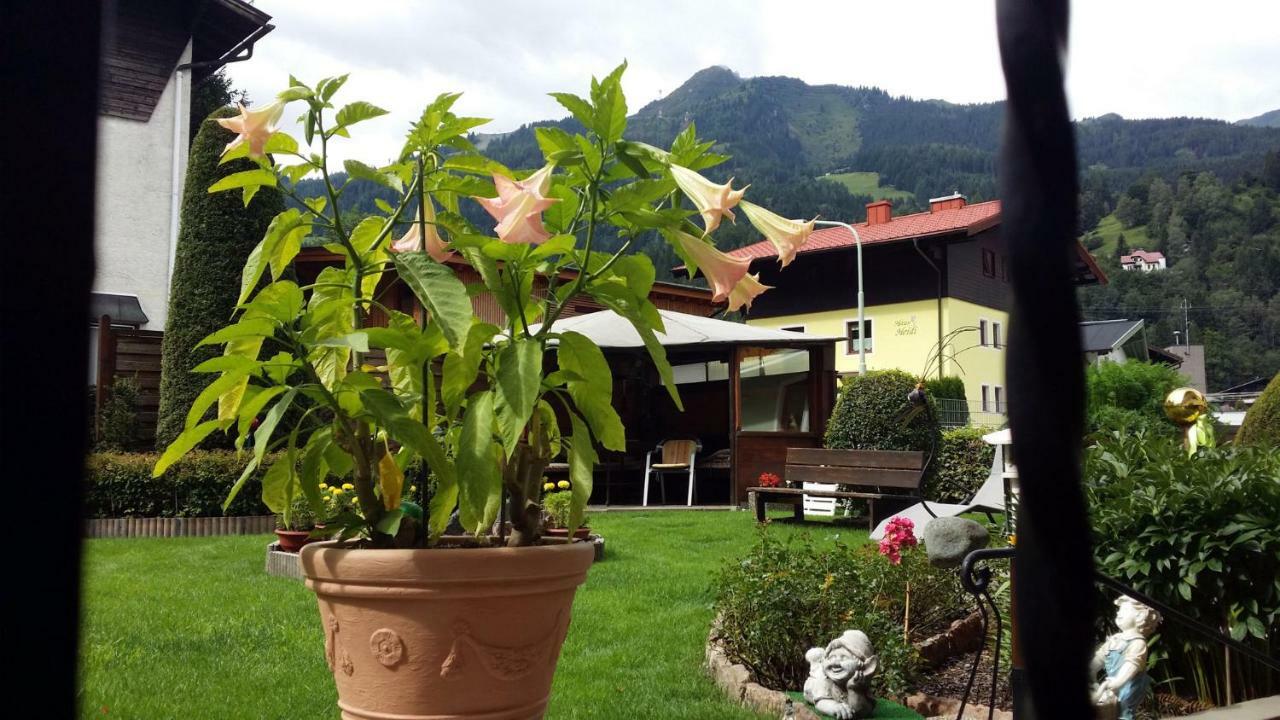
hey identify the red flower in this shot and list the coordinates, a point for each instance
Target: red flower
(769, 480)
(897, 535)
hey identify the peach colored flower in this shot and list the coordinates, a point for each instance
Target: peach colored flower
(786, 235)
(253, 126)
(745, 291)
(712, 200)
(519, 205)
(722, 271)
(437, 248)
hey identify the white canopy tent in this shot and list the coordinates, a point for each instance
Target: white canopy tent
(608, 329)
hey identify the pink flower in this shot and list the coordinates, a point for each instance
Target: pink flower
(745, 291)
(253, 126)
(437, 248)
(723, 271)
(519, 206)
(786, 235)
(712, 200)
(898, 533)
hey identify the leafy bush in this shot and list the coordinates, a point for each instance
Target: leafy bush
(867, 415)
(301, 516)
(118, 424)
(1129, 396)
(1201, 534)
(787, 596)
(1262, 422)
(963, 463)
(120, 485)
(216, 235)
(946, 388)
(555, 509)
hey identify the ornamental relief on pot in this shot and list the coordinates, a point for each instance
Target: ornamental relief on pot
(504, 663)
(387, 647)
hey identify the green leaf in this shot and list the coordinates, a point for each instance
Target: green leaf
(582, 463)
(390, 522)
(327, 87)
(593, 395)
(580, 108)
(552, 140)
(235, 489)
(262, 436)
(555, 245)
(440, 291)
(360, 171)
(462, 366)
(476, 164)
(518, 378)
(245, 178)
(358, 341)
(480, 483)
(224, 363)
(443, 502)
(248, 327)
(207, 397)
(355, 112)
(641, 313)
(184, 443)
(297, 92)
(280, 301)
(250, 409)
(278, 483)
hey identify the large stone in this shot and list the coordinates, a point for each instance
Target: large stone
(949, 539)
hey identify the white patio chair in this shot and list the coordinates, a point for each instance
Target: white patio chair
(989, 498)
(675, 456)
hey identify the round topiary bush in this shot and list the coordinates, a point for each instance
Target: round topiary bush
(1262, 422)
(216, 235)
(868, 415)
(963, 464)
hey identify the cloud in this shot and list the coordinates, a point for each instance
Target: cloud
(506, 56)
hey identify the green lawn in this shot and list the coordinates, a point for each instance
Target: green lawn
(193, 627)
(868, 183)
(1110, 229)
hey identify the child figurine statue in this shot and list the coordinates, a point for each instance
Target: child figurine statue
(1123, 656)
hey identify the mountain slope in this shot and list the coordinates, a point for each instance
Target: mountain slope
(1266, 119)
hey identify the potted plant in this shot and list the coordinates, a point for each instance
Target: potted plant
(418, 622)
(295, 528)
(557, 505)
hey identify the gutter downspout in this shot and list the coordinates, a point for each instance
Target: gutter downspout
(175, 177)
(937, 271)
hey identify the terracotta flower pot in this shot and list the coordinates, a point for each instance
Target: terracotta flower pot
(444, 633)
(293, 540)
(581, 533)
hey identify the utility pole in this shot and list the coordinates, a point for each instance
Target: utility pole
(1186, 323)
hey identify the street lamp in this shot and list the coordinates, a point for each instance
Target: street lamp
(862, 323)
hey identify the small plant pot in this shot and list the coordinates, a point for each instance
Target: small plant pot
(581, 533)
(293, 540)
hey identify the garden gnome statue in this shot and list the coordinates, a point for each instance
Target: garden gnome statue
(840, 676)
(1124, 658)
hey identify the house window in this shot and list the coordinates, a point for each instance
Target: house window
(999, 396)
(852, 337)
(986, 399)
(989, 263)
(793, 328)
(982, 333)
(997, 336)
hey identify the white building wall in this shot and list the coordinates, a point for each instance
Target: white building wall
(138, 190)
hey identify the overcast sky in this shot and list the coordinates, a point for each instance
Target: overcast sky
(1139, 59)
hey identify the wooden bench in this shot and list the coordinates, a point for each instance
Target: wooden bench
(888, 479)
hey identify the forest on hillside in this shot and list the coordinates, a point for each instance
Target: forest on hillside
(1222, 243)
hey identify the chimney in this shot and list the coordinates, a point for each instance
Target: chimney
(879, 212)
(954, 201)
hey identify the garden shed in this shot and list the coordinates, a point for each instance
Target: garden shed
(749, 393)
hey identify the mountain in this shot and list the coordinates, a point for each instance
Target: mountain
(1266, 119)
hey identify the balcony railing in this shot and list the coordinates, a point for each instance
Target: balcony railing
(953, 413)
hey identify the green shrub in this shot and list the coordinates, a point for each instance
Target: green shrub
(787, 596)
(962, 465)
(118, 423)
(120, 485)
(1129, 396)
(1201, 534)
(215, 237)
(301, 516)
(867, 415)
(1262, 422)
(950, 387)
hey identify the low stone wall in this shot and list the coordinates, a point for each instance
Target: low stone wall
(283, 564)
(179, 527)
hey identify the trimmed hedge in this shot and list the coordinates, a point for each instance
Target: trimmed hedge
(963, 463)
(118, 430)
(1262, 422)
(216, 235)
(1129, 396)
(866, 415)
(120, 485)
(950, 387)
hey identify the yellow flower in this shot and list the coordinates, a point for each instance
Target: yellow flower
(324, 486)
(336, 491)
(413, 488)
(348, 486)
(548, 486)
(563, 484)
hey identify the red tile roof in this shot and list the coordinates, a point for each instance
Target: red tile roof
(1146, 256)
(969, 220)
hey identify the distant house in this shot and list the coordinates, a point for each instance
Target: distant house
(1114, 341)
(1142, 260)
(1192, 364)
(925, 275)
(155, 52)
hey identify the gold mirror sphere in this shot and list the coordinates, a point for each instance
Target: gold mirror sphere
(1185, 405)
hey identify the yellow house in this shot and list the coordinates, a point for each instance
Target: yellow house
(933, 279)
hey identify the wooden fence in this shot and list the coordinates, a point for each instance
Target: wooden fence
(126, 352)
(178, 527)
